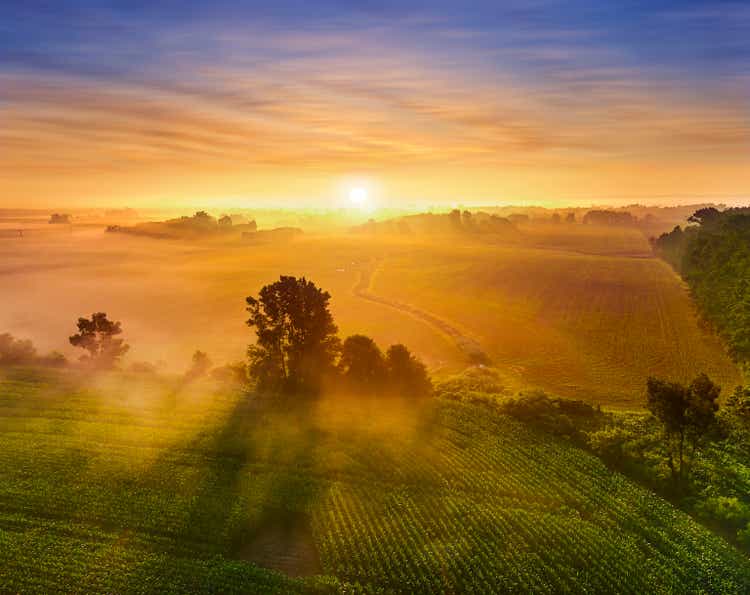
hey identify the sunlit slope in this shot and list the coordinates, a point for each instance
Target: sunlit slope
(591, 319)
(135, 486)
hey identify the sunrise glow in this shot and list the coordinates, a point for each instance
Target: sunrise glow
(563, 103)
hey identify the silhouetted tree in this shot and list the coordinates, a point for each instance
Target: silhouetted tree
(407, 375)
(199, 365)
(225, 221)
(705, 216)
(687, 414)
(297, 344)
(570, 217)
(97, 335)
(362, 365)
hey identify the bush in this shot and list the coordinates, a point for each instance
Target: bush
(727, 510)
(16, 351)
(478, 382)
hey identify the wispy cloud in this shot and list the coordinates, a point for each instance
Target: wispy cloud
(343, 96)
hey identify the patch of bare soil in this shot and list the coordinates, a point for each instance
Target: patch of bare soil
(283, 542)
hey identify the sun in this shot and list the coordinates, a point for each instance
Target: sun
(358, 197)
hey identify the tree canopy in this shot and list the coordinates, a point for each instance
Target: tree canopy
(296, 336)
(362, 365)
(98, 336)
(687, 415)
(714, 259)
(406, 374)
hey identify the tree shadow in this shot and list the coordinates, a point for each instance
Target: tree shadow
(254, 497)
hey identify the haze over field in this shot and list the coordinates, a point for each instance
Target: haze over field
(374, 298)
(583, 311)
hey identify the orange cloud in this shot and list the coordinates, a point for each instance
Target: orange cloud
(428, 126)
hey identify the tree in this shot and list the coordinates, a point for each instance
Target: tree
(296, 337)
(199, 365)
(406, 374)
(362, 365)
(15, 351)
(687, 415)
(736, 415)
(703, 405)
(705, 216)
(668, 402)
(97, 336)
(225, 221)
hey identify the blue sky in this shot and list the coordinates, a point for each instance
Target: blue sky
(525, 99)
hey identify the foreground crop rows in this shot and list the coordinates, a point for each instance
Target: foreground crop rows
(128, 486)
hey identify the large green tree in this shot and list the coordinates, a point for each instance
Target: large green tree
(687, 415)
(296, 344)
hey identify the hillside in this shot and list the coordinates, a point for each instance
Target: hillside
(584, 312)
(127, 484)
(578, 310)
(713, 257)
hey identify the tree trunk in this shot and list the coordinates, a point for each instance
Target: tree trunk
(682, 444)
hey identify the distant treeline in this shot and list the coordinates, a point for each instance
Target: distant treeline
(199, 224)
(503, 222)
(713, 257)
(454, 222)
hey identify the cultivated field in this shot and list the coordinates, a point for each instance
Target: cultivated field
(579, 311)
(125, 484)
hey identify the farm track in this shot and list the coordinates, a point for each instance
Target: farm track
(467, 345)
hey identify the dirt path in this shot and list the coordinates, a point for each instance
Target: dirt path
(468, 346)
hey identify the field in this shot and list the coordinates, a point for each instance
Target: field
(579, 311)
(586, 313)
(125, 484)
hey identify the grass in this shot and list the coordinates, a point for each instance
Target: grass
(129, 484)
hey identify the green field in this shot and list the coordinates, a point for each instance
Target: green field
(130, 484)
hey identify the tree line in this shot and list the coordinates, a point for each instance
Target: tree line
(713, 256)
(297, 349)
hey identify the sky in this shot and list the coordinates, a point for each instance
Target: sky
(286, 103)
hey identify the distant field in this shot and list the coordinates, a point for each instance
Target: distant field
(585, 313)
(175, 297)
(579, 311)
(130, 485)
